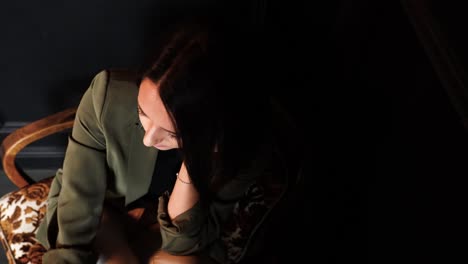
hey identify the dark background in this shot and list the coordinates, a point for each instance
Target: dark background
(382, 119)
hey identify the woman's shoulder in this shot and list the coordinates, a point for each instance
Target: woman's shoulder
(114, 81)
(115, 91)
(123, 81)
(121, 84)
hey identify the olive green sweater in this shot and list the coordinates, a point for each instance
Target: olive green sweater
(105, 158)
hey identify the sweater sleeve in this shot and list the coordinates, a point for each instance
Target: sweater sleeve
(79, 203)
(197, 229)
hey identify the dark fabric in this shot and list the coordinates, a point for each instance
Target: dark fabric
(167, 165)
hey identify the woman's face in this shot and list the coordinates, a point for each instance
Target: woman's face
(159, 131)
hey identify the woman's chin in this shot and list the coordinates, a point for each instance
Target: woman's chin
(163, 147)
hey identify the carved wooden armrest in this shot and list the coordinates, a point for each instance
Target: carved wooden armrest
(23, 136)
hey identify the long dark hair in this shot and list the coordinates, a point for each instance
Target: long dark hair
(210, 83)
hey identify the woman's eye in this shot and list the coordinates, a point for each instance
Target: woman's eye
(173, 136)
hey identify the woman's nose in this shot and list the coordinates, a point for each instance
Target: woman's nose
(151, 136)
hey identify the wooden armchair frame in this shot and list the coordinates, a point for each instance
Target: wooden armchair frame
(19, 139)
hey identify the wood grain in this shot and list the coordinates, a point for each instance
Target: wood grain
(20, 138)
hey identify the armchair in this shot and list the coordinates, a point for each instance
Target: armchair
(22, 210)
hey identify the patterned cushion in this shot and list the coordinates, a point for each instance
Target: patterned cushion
(249, 211)
(21, 212)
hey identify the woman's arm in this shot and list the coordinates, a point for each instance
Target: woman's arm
(184, 195)
(83, 182)
(195, 228)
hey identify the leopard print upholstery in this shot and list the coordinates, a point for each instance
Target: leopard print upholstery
(21, 212)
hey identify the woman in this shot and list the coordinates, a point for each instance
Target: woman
(196, 133)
